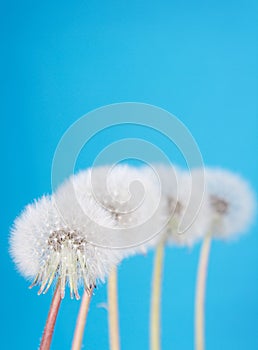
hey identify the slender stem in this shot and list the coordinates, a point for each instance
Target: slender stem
(200, 293)
(51, 319)
(156, 297)
(113, 319)
(81, 319)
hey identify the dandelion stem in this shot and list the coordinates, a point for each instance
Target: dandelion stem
(81, 319)
(113, 319)
(51, 319)
(156, 297)
(200, 293)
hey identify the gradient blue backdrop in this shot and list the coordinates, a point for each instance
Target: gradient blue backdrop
(197, 59)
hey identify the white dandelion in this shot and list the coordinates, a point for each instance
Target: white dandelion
(130, 195)
(185, 204)
(185, 214)
(232, 203)
(51, 240)
(232, 208)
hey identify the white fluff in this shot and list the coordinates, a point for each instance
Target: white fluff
(103, 214)
(184, 204)
(232, 203)
(131, 195)
(51, 239)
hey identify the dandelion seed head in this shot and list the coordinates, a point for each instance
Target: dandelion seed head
(49, 242)
(184, 203)
(130, 195)
(232, 203)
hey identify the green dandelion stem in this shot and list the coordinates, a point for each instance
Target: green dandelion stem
(200, 294)
(156, 298)
(113, 318)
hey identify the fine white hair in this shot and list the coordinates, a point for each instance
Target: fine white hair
(184, 205)
(131, 195)
(232, 203)
(103, 214)
(51, 240)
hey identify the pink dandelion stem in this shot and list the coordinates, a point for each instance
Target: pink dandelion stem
(51, 319)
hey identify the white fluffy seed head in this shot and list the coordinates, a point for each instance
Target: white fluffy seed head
(51, 240)
(184, 204)
(232, 203)
(131, 196)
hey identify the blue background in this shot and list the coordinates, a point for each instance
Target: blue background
(198, 60)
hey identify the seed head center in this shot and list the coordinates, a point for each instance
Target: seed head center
(219, 204)
(66, 238)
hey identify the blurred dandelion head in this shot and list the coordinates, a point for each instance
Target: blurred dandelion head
(131, 195)
(232, 202)
(184, 203)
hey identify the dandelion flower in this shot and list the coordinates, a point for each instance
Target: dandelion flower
(130, 195)
(185, 215)
(50, 240)
(232, 203)
(232, 206)
(184, 205)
